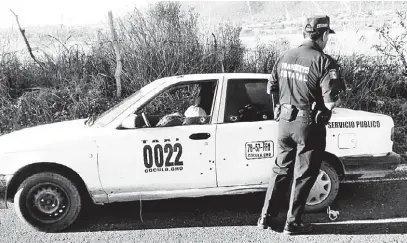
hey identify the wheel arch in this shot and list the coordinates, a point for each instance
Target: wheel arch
(31, 169)
(335, 162)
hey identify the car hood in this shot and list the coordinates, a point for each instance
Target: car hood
(46, 136)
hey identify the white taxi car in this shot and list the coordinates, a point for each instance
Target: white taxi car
(147, 147)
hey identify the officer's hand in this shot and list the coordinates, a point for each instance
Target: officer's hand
(338, 102)
(323, 117)
(330, 105)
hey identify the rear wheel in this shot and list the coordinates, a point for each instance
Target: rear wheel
(48, 202)
(325, 189)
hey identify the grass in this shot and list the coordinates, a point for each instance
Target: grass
(78, 81)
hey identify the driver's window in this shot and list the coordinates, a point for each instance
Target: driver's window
(189, 103)
(247, 100)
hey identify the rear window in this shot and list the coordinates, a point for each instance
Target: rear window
(247, 100)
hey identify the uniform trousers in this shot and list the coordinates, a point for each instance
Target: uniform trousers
(301, 144)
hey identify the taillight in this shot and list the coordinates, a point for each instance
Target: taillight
(392, 134)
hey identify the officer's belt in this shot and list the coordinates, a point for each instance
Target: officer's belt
(301, 112)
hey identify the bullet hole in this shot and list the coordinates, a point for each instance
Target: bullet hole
(247, 164)
(201, 173)
(260, 128)
(210, 169)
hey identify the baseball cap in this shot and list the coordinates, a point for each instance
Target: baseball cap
(317, 23)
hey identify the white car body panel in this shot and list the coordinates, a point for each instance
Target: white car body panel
(110, 161)
(361, 127)
(123, 172)
(71, 144)
(236, 168)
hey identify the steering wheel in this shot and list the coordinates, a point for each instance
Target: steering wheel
(145, 119)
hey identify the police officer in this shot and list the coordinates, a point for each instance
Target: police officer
(307, 83)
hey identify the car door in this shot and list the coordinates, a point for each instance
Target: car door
(165, 157)
(246, 136)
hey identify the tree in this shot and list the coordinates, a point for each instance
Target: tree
(394, 46)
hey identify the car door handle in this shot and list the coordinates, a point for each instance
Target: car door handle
(199, 136)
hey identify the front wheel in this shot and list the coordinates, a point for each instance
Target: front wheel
(325, 189)
(48, 202)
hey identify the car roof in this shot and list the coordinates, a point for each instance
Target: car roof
(246, 75)
(218, 76)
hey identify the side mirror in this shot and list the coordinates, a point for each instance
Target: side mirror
(129, 122)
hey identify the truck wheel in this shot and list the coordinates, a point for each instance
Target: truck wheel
(325, 189)
(48, 202)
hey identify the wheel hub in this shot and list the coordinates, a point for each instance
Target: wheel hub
(321, 189)
(48, 200)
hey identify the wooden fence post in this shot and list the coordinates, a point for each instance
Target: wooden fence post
(118, 56)
(217, 54)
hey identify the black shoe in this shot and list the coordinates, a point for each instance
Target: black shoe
(297, 228)
(266, 222)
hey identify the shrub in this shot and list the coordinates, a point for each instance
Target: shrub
(76, 82)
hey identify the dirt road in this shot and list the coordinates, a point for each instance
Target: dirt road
(374, 212)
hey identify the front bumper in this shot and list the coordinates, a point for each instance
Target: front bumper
(3, 191)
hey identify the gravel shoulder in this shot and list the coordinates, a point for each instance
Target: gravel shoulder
(372, 212)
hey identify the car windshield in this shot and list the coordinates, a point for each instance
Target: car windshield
(109, 115)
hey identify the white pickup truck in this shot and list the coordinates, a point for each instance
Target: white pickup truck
(147, 147)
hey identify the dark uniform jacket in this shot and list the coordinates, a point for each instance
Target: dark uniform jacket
(305, 75)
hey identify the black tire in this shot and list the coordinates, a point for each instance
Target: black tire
(330, 197)
(48, 201)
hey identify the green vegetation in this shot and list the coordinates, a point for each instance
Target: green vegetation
(77, 82)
